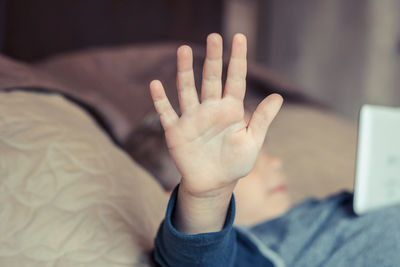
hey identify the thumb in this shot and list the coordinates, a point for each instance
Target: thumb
(263, 116)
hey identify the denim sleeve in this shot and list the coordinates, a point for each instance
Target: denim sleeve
(173, 248)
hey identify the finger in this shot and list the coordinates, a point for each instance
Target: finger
(236, 78)
(185, 79)
(263, 116)
(211, 87)
(162, 105)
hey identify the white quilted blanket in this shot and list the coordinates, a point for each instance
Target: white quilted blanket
(68, 196)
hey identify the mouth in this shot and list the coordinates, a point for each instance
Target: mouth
(280, 189)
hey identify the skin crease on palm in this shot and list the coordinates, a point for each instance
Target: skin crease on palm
(211, 143)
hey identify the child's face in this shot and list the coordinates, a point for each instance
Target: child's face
(263, 194)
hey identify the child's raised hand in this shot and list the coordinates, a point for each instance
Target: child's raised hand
(211, 143)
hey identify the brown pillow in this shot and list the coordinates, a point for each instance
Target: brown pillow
(317, 148)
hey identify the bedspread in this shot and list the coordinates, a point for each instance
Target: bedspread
(68, 196)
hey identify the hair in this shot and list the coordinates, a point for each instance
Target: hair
(147, 146)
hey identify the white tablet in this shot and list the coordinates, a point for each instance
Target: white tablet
(377, 181)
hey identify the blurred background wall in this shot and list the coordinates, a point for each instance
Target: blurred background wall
(37, 29)
(342, 53)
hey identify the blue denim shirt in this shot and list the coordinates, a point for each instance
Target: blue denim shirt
(313, 233)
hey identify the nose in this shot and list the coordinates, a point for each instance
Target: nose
(274, 162)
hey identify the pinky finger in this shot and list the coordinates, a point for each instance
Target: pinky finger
(162, 105)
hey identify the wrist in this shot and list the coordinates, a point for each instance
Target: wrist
(204, 213)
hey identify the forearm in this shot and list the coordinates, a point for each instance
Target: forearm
(202, 214)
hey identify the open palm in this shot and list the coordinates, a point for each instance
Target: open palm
(211, 143)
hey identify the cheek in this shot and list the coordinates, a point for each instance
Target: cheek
(249, 191)
(250, 200)
(253, 203)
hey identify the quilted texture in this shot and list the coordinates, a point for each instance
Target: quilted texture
(68, 196)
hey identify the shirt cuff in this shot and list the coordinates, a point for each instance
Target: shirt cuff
(173, 248)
